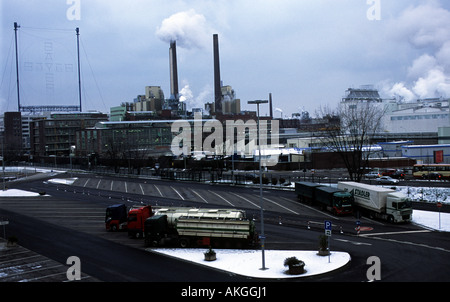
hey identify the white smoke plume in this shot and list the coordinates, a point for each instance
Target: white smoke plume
(425, 27)
(187, 96)
(189, 29)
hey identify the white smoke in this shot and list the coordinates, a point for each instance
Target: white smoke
(425, 27)
(189, 29)
(187, 96)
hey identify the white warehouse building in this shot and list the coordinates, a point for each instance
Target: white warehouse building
(428, 154)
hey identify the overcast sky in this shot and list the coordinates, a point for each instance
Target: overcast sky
(306, 53)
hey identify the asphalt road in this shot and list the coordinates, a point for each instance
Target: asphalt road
(70, 222)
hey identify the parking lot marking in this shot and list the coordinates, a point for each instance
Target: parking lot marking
(201, 197)
(142, 190)
(221, 197)
(158, 190)
(311, 208)
(276, 203)
(247, 200)
(177, 192)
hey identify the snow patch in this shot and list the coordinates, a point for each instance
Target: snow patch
(249, 262)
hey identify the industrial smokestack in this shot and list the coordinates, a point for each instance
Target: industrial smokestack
(217, 82)
(270, 106)
(173, 70)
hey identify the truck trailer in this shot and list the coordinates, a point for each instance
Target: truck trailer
(328, 198)
(199, 230)
(379, 202)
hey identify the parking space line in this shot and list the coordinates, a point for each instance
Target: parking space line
(276, 203)
(201, 197)
(311, 208)
(177, 192)
(98, 184)
(247, 200)
(10, 260)
(112, 181)
(221, 197)
(86, 182)
(142, 190)
(156, 187)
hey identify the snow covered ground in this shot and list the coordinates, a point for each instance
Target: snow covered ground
(249, 262)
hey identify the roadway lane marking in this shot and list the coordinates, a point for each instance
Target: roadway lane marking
(201, 197)
(242, 197)
(353, 242)
(112, 181)
(276, 203)
(177, 192)
(395, 233)
(98, 184)
(412, 243)
(142, 190)
(221, 197)
(126, 187)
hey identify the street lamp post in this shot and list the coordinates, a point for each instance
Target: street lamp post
(262, 236)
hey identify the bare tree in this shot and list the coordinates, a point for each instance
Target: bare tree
(358, 123)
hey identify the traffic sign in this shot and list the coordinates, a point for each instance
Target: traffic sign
(4, 222)
(439, 204)
(328, 225)
(327, 232)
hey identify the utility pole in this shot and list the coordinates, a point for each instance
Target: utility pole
(79, 76)
(17, 66)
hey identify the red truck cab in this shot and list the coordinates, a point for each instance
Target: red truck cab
(136, 220)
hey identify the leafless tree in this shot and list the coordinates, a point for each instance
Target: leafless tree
(358, 123)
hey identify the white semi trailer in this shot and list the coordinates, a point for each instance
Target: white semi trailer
(379, 202)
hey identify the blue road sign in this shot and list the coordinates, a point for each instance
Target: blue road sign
(327, 225)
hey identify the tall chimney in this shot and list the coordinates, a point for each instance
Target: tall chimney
(217, 82)
(173, 70)
(270, 106)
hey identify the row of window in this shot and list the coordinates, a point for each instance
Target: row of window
(420, 117)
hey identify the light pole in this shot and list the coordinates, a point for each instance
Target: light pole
(262, 236)
(71, 154)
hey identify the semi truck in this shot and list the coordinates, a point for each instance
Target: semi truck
(328, 198)
(136, 219)
(379, 202)
(199, 227)
(119, 217)
(116, 217)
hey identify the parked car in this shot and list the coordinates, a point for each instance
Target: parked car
(387, 180)
(372, 174)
